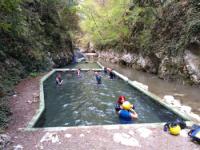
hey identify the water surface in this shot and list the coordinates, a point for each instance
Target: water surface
(80, 101)
(188, 95)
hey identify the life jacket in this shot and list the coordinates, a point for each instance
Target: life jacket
(194, 133)
(125, 117)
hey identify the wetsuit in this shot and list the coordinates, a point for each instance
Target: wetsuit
(105, 70)
(112, 75)
(98, 79)
(58, 80)
(125, 117)
(117, 107)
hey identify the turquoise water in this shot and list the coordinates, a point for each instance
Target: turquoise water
(80, 101)
(84, 65)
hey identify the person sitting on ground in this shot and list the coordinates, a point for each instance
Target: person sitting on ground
(59, 80)
(120, 101)
(98, 77)
(125, 115)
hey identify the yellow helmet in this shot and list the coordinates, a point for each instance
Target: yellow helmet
(126, 105)
(175, 130)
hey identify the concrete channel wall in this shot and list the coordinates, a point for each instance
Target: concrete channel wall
(187, 116)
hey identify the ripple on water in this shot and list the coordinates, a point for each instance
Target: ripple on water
(107, 104)
(100, 113)
(87, 123)
(65, 105)
(66, 124)
(75, 112)
(110, 111)
(72, 96)
(77, 122)
(92, 108)
(113, 96)
(108, 121)
(102, 94)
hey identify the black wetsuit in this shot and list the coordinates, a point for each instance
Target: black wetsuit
(112, 75)
(98, 79)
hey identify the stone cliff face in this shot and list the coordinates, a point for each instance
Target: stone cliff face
(173, 52)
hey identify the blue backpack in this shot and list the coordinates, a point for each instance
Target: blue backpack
(194, 133)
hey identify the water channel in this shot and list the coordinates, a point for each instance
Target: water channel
(80, 101)
(188, 95)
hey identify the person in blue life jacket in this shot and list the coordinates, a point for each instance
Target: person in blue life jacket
(59, 80)
(127, 114)
(98, 77)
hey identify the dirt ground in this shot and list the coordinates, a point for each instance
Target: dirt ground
(83, 138)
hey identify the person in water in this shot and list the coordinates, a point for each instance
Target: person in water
(79, 72)
(111, 74)
(98, 77)
(59, 80)
(120, 101)
(105, 70)
(127, 114)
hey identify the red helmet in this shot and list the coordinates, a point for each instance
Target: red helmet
(120, 99)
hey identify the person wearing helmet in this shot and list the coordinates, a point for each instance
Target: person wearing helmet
(127, 114)
(118, 105)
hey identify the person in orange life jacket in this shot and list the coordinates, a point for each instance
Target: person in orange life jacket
(59, 80)
(126, 115)
(118, 105)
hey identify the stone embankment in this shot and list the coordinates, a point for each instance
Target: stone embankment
(156, 65)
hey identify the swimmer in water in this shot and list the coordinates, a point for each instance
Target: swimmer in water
(79, 72)
(98, 77)
(59, 80)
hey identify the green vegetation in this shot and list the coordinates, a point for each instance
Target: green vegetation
(111, 23)
(34, 74)
(35, 35)
(103, 22)
(160, 30)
